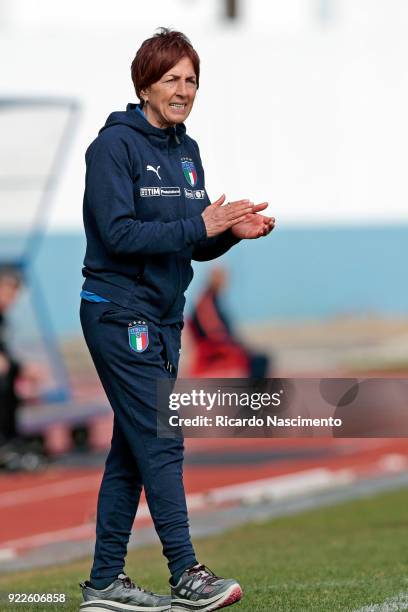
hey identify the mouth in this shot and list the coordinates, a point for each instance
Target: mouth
(177, 106)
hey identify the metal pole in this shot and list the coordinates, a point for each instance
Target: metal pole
(40, 222)
(63, 391)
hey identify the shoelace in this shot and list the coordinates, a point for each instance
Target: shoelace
(204, 573)
(129, 584)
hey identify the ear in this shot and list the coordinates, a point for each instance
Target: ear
(144, 94)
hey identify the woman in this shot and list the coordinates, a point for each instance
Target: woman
(146, 215)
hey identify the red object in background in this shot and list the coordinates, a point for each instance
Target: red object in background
(216, 359)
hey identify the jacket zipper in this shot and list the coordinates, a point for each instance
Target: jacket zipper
(177, 256)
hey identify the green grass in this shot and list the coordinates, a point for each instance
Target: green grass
(326, 560)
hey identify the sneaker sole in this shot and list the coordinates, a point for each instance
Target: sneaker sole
(231, 596)
(104, 605)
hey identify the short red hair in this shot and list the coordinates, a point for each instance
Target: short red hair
(160, 53)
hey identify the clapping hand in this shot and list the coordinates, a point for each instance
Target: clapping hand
(218, 218)
(254, 225)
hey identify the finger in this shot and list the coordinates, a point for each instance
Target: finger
(260, 207)
(241, 214)
(266, 219)
(239, 203)
(269, 222)
(220, 201)
(243, 201)
(236, 209)
(232, 222)
(248, 217)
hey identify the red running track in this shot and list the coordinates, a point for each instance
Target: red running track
(59, 504)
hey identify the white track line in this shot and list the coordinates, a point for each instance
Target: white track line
(6, 554)
(394, 604)
(281, 487)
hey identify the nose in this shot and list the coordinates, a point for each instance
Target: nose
(181, 89)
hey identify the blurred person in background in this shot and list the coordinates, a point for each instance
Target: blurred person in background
(146, 216)
(14, 376)
(218, 350)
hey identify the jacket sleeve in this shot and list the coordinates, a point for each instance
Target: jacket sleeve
(109, 198)
(214, 247)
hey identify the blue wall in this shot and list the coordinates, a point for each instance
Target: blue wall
(297, 273)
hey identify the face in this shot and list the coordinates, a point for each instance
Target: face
(170, 100)
(218, 279)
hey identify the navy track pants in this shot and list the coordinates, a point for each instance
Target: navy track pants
(137, 458)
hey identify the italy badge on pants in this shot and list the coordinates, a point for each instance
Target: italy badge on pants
(138, 337)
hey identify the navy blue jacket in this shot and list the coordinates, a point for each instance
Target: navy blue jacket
(144, 195)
